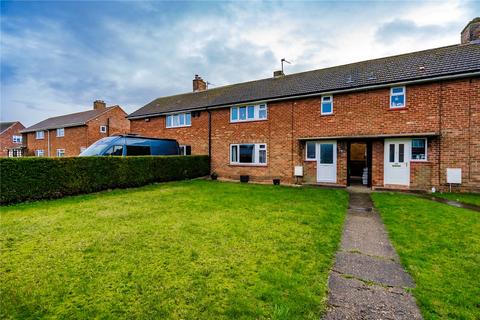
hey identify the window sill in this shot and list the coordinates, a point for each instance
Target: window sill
(178, 127)
(310, 160)
(420, 161)
(246, 121)
(248, 164)
(396, 109)
(326, 114)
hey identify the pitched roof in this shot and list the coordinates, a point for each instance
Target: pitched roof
(5, 125)
(450, 60)
(68, 120)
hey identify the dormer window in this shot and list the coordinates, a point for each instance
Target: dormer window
(179, 120)
(397, 97)
(248, 113)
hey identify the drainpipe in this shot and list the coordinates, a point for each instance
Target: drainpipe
(210, 140)
(48, 142)
(108, 127)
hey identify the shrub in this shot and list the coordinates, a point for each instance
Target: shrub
(24, 179)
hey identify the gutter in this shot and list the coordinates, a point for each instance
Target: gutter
(316, 94)
(77, 124)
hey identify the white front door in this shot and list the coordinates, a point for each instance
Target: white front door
(397, 162)
(327, 161)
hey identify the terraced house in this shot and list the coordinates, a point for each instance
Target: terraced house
(70, 134)
(410, 121)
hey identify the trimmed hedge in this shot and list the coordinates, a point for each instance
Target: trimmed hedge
(24, 179)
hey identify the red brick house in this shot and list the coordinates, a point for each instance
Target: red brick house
(11, 141)
(70, 134)
(396, 122)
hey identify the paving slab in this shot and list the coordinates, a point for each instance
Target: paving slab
(367, 280)
(366, 233)
(353, 299)
(374, 269)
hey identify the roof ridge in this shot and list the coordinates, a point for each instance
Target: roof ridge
(308, 71)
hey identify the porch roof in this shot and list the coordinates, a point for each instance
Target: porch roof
(394, 135)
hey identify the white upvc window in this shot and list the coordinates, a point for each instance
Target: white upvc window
(17, 139)
(60, 132)
(249, 113)
(39, 135)
(177, 120)
(326, 105)
(60, 152)
(103, 129)
(248, 154)
(419, 149)
(397, 97)
(39, 153)
(310, 151)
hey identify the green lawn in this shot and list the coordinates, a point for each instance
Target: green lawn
(440, 247)
(182, 250)
(471, 198)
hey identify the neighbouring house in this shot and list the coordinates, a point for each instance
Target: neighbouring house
(70, 134)
(398, 122)
(11, 141)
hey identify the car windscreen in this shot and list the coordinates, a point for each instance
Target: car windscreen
(97, 148)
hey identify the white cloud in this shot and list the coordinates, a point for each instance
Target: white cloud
(56, 70)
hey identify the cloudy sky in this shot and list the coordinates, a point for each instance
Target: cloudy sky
(57, 57)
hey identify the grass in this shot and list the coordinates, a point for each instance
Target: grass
(440, 247)
(183, 250)
(470, 198)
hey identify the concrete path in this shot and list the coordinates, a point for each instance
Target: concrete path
(367, 280)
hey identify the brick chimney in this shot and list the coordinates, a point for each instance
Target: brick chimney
(99, 104)
(199, 84)
(471, 33)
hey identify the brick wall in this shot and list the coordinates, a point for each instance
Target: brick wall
(195, 136)
(6, 140)
(81, 136)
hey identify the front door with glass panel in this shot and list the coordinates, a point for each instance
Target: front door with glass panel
(397, 162)
(327, 161)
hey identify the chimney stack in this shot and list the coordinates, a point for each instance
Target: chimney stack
(471, 33)
(99, 104)
(199, 84)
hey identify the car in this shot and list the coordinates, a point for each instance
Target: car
(132, 145)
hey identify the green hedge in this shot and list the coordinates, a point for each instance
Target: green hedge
(24, 179)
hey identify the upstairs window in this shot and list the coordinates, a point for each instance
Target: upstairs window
(397, 97)
(248, 113)
(60, 132)
(419, 149)
(39, 135)
(103, 129)
(255, 154)
(179, 120)
(17, 139)
(327, 105)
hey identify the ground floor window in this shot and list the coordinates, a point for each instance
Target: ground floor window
(255, 153)
(15, 153)
(310, 151)
(39, 153)
(60, 152)
(185, 150)
(419, 149)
